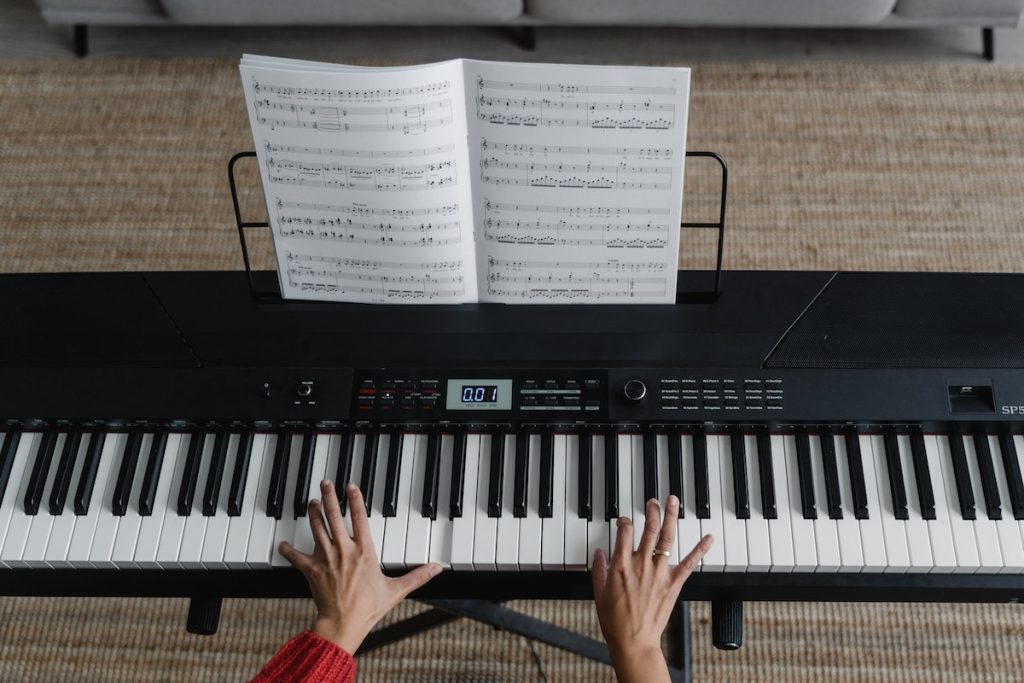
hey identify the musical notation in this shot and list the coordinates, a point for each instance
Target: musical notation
(512, 224)
(385, 177)
(426, 89)
(575, 88)
(359, 153)
(363, 210)
(569, 280)
(373, 280)
(387, 227)
(408, 119)
(549, 150)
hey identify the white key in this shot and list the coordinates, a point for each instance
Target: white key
(871, 532)
(894, 534)
(624, 468)
(106, 525)
(826, 536)
(85, 525)
(575, 526)
(12, 511)
(965, 542)
(661, 447)
(734, 529)
(714, 560)
(303, 540)
(805, 549)
(64, 524)
(939, 532)
(780, 529)
(377, 521)
(531, 526)
(42, 522)
(597, 527)
(216, 536)
(759, 551)
(918, 543)
(191, 549)
(631, 454)
(463, 527)
(393, 553)
(443, 526)
(688, 531)
(1008, 528)
(237, 544)
(149, 529)
(357, 444)
(127, 537)
(417, 538)
(851, 548)
(485, 527)
(989, 552)
(552, 552)
(1018, 442)
(261, 532)
(507, 551)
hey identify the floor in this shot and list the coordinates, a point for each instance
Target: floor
(23, 34)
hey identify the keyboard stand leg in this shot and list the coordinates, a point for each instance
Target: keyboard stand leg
(203, 615)
(406, 628)
(681, 664)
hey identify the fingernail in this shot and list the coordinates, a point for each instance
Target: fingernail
(314, 501)
(351, 488)
(673, 501)
(435, 569)
(652, 500)
(324, 484)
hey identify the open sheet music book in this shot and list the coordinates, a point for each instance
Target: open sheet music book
(469, 181)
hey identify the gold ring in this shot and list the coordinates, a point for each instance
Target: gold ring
(659, 551)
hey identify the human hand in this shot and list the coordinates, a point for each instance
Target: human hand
(635, 592)
(344, 575)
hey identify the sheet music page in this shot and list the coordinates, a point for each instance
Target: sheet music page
(366, 177)
(577, 181)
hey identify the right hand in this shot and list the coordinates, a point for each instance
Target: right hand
(635, 592)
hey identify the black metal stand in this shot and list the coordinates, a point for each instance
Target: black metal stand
(528, 38)
(988, 42)
(81, 36)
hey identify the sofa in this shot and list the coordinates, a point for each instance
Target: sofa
(527, 14)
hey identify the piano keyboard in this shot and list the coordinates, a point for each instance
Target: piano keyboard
(803, 500)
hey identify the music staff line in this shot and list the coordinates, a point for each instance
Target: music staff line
(543, 150)
(371, 264)
(361, 232)
(359, 153)
(544, 103)
(386, 177)
(427, 90)
(603, 211)
(336, 126)
(612, 265)
(564, 233)
(362, 210)
(569, 89)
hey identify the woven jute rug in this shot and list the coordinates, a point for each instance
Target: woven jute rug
(120, 165)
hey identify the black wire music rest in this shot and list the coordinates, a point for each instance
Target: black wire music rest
(273, 294)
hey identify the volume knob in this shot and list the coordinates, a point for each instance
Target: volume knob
(634, 390)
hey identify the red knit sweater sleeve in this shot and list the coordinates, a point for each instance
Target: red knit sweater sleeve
(308, 658)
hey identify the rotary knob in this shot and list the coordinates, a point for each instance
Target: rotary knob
(635, 390)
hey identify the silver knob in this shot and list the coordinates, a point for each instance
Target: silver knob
(634, 390)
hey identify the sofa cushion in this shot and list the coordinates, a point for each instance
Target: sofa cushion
(99, 11)
(959, 9)
(712, 12)
(312, 12)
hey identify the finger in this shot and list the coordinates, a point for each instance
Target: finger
(623, 540)
(332, 510)
(295, 557)
(409, 582)
(316, 524)
(651, 526)
(357, 514)
(599, 574)
(691, 562)
(667, 536)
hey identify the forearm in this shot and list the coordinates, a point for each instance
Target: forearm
(308, 658)
(639, 665)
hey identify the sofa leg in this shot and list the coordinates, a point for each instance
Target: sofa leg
(528, 38)
(988, 41)
(81, 32)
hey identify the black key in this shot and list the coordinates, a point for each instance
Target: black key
(346, 446)
(278, 476)
(190, 474)
(651, 466)
(522, 474)
(458, 489)
(304, 478)
(7, 453)
(215, 475)
(741, 496)
(856, 466)
(585, 481)
(803, 468)
(497, 476)
(236, 495)
(147, 497)
(611, 475)
(87, 479)
(923, 477)
(126, 474)
(989, 489)
(432, 476)
(547, 474)
(767, 475)
(831, 469)
(964, 489)
(1013, 476)
(701, 489)
(40, 470)
(675, 469)
(897, 488)
(394, 471)
(65, 468)
(369, 473)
